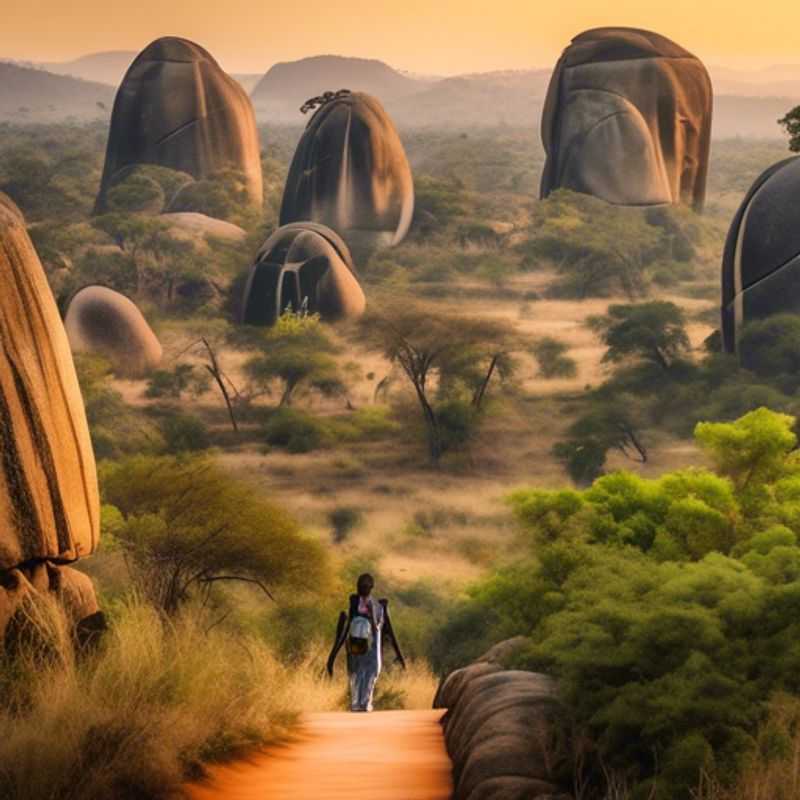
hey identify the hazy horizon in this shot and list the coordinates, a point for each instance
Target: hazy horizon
(249, 39)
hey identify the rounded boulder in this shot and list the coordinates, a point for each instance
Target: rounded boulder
(177, 108)
(101, 321)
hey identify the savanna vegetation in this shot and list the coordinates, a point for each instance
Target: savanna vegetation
(508, 342)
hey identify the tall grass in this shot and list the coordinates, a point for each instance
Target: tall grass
(144, 711)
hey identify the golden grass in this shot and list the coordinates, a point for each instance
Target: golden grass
(133, 719)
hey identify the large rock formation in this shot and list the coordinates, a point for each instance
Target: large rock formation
(761, 261)
(350, 172)
(628, 119)
(502, 734)
(49, 506)
(102, 321)
(178, 109)
(302, 265)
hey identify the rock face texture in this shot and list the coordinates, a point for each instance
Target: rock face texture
(102, 321)
(49, 506)
(177, 108)
(761, 261)
(302, 265)
(628, 119)
(501, 734)
(350, 172)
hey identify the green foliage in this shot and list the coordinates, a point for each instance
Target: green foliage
(597, 248)
(584, 459)
(297, 431)
(188, 526)
(297, 352)
(463, 353)
(222, 195)
(666, 608)
(653, 331)
(791, 124)
(184, 433)
(770, 348)
(136, 193)
(343, 520)
(551, 354)
(116, 428)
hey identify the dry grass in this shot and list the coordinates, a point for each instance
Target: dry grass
(133, 719)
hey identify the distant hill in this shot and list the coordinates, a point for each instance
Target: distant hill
(777, 81)
(33, 95)
(248, 81)
(108, 67)
(747, 103)
(287, 85)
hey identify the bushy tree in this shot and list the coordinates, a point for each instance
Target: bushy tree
(654, 332)
(551, 355)
(189, 526)
(297, 352)
(597, 248)
(448, 359)
(770, 348)
(791, 124)
(666, 609)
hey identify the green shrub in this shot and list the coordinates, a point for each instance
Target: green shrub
(184, 433)
(343, 520)
(667, 609)
(297, 431)
(553, 359)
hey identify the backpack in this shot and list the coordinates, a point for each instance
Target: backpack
(360, 637)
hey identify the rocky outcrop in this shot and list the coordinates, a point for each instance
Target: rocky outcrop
(101, 321)
(177, 108)
(628, 119)
(502, 733)
(350, 172)
(49, 505)
(191, 225)
(761, 261)
(302, 265)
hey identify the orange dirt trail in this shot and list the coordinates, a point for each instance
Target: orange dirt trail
(386, 755)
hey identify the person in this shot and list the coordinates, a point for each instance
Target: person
(363, 630)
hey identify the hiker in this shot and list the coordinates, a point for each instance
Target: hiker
(363, 629)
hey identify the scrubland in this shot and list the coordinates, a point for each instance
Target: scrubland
(346, 465)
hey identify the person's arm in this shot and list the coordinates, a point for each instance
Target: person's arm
(341, 635)
(389, 631)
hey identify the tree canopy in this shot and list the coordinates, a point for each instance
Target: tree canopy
(187, 526)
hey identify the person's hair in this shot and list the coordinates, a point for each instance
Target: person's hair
(365, 584)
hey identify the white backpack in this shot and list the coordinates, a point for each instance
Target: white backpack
(361, 636)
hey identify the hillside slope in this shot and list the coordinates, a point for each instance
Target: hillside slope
(33, 95)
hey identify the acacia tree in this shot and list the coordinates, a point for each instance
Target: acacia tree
(186, 526)
(295, 352)
(449, 360)
(654, 332)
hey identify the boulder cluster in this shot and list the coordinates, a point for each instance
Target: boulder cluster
(502, 732)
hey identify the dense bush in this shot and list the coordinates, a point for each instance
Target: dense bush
(667, 609)
(551, 355)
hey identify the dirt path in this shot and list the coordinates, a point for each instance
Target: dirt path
(388, 755)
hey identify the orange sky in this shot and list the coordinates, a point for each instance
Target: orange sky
(434, 36)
